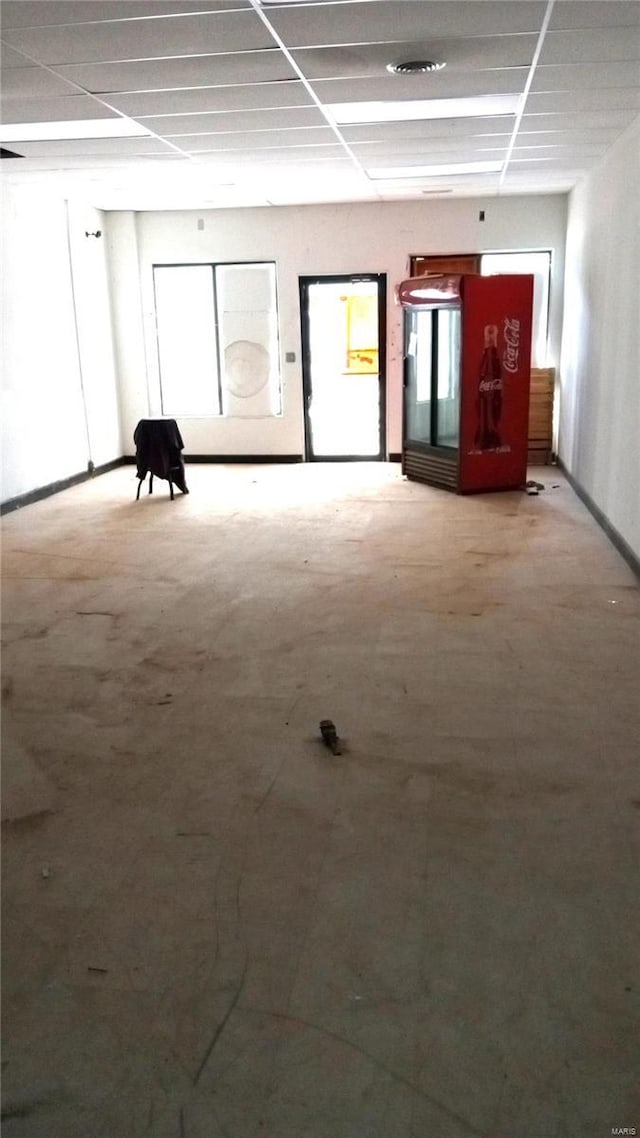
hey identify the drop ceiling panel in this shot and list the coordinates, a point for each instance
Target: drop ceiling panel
(602, 136)
(27, 81)
(262, 140)
(97, 163)
(244, 115)
(323, 24)
(54, 110)
(579, 14)
(195, 71)
(601, 45)
(548, 165)
(420, 151)
(143, 39)
(363, 60)
(440, 86)
(427, 187)
(613, 98)
(34, 13)
(117, 147)
(497, 125)
(581, 77)
(310, 156)
(577, 151)
(256, 96)
(578, 121)
(10, 58)
(249, 121)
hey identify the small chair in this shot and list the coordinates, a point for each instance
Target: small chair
(159, 449)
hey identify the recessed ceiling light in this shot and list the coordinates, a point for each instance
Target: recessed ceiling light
(410, 110)
(415, 67)
(82, 128)
(392, 172)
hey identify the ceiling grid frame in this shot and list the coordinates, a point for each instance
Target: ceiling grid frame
(263, 79)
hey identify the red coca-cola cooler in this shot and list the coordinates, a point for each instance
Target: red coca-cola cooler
(467, 368)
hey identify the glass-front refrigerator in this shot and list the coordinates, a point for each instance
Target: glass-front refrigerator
(467, 367)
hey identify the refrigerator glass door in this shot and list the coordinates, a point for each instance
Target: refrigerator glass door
(418, 376)
(447, 419)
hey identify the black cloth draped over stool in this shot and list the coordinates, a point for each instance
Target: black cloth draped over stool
(159, 449)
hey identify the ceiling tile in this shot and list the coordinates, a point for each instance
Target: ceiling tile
(430, 129)
(578, 120)
(576, 14)
(383, 158)
(622, 98)
(244, 115)
(92, 146)
(420, 151)
(214, 33)
(536, 153)
(195, 71)
(601, 45)
(579, 136)
(578, 77)
(49, 13)
(263, 140)
(12, 58)
(364, 60)
(20, 110)
(278, 156)
(256, 96)
(95, 164)
(343, 23)
(248, 121)
(27, 81)
(439, 86)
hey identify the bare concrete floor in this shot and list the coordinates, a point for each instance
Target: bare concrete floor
(223, 931)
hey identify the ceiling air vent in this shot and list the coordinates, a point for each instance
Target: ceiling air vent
(9, 153)
(415, 67)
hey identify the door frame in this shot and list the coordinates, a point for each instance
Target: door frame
(344, 278)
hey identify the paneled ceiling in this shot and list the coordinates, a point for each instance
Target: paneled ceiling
(242, 102)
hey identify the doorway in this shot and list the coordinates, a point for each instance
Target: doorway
(343, 366)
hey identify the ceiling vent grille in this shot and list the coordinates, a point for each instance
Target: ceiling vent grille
(415, 67)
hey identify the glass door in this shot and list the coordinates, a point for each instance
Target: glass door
(432, 377)
(448, 325)
(343, 346)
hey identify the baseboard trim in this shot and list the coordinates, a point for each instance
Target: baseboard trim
(221, 459)
(395, 456)
(616, 539)
(51, 488)
(247, 459)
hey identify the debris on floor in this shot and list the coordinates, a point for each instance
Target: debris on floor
(330, 736)
(26, 789)
(532, 487)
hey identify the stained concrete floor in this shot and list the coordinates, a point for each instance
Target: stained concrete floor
(220, 930)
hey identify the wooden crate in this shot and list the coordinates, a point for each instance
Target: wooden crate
(541, 415)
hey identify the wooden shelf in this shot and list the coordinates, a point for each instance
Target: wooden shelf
(541, 415)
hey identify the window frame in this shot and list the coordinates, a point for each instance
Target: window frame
(213, 265)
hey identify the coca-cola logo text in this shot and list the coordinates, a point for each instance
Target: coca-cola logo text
(511, 344)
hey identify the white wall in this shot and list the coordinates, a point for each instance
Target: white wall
(47, 434)
(599, 432)
(95, 336)
(305, 240)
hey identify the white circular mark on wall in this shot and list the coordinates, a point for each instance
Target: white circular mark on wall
(246, 368)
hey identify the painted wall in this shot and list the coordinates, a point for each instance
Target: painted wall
(599, 430)
(303, 241)
(51, 427)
